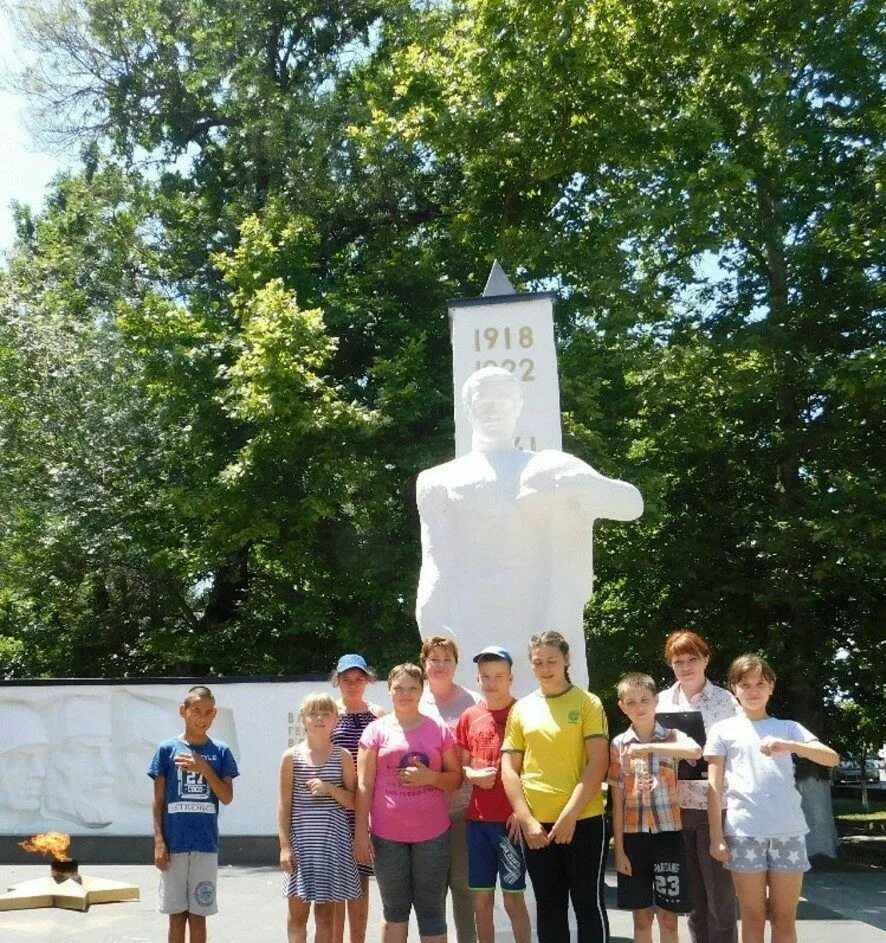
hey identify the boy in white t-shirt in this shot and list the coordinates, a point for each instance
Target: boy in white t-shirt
(764, 844)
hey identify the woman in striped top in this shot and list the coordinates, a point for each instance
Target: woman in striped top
(317, 784)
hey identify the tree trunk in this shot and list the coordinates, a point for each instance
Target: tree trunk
(863, 782)
(815, 794)
(805, 691)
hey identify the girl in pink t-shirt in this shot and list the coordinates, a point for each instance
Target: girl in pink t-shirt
(405, 764)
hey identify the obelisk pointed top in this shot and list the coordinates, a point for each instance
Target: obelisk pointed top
(498, 283)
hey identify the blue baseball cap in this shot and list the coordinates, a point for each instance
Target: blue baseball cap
(346, 662)
(495, 651)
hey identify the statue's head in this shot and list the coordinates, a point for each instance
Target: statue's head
(493, 401)
(22, 757)
(80, 776)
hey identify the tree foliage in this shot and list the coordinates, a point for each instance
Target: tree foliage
(703, 182)
(277, 200)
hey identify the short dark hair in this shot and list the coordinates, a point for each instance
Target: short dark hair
(198, 693)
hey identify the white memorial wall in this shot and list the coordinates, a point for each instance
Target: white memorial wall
(74, 757)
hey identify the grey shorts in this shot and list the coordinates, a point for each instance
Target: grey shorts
(413, 874)
(188, 885)
(751, 855)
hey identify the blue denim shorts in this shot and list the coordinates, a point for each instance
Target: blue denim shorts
(751, 855)
(491, 854)
(413, 874)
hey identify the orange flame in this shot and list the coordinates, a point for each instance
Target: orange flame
(50, 843)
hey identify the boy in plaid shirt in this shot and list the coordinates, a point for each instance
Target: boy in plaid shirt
(646, 812)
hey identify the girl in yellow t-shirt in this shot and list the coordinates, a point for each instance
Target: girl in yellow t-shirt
(555, 757)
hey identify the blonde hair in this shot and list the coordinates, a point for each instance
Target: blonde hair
(635, 679)
(318, 701)
(437, 641)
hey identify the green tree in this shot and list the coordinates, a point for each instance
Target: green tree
(177, 496)
(699, 180)
(702, 183)
(253, 108)
(859, 733)
(702, 180)
(81, 527)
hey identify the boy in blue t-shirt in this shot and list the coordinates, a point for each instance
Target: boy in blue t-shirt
(191, 774)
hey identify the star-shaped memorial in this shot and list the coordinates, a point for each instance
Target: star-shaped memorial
(70, 894)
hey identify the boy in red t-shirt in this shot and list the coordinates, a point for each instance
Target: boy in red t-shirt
(495, 846)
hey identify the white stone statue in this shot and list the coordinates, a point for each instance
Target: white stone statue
(23, 750)
(80, 773)
(506, 536)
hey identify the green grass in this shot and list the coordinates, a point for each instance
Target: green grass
(851, 810)
(878, 816)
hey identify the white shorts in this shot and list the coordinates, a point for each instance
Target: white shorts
(188, 885)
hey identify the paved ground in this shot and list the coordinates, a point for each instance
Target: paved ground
(837, 908)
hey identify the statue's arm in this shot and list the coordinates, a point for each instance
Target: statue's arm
(437, 557)
(551, 473)
(606, 497)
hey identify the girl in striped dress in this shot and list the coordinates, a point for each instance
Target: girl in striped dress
(317, 785)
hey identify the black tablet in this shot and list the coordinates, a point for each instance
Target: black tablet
(690, 723)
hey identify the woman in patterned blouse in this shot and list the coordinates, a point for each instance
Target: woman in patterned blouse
(713, 916)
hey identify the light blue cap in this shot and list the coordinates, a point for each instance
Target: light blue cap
(346, 662)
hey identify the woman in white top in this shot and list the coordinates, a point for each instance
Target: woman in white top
(447, 701)
(712, 919)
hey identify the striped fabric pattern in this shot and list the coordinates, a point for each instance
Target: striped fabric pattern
(321, 837)
(347, 734)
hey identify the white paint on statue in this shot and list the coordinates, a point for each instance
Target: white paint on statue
(507, 536)
(79, 786)
(23, 753)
